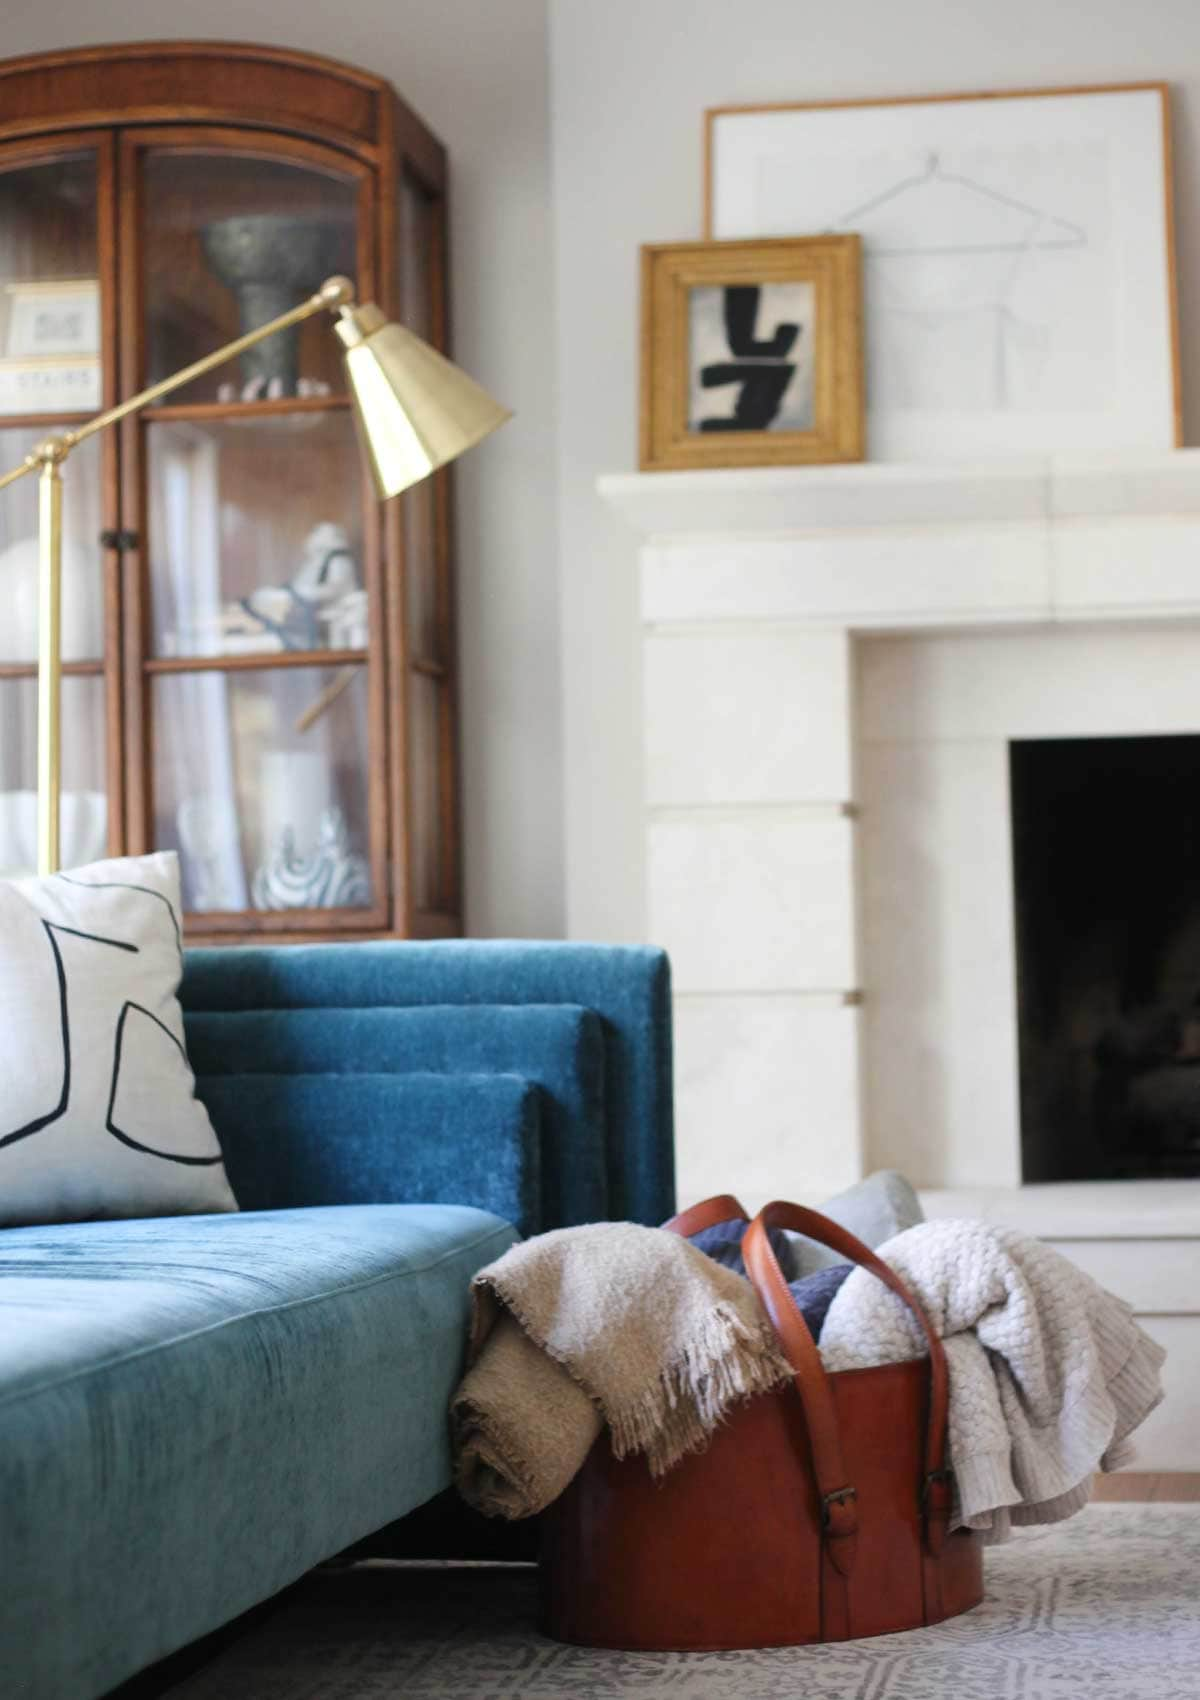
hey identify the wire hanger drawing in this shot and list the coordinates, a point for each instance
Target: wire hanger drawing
(1060, 232)
(1006, 338)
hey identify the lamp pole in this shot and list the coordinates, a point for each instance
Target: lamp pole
(49, 749)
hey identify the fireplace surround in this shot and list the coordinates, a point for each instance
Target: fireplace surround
(837, 663)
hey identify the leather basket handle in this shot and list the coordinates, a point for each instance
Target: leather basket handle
(723, 1208)
(812, 1382)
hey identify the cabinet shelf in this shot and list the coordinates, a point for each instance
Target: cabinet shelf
(237, 410)
(71, 669)
(40, 422)
(261, 661)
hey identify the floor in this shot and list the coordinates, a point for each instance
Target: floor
(1101, 1607)
(1148, 1488)
(387, 1631)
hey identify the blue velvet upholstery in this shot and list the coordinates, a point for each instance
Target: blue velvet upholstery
(198, 1409)
(195, 1410)
(560, 1050)
(627, 989)
(293, 1139)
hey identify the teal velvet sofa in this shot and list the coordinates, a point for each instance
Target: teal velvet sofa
(196, 1410)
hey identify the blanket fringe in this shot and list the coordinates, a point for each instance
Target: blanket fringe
(727, 1361)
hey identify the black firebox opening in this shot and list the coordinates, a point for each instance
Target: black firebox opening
(1106, 862)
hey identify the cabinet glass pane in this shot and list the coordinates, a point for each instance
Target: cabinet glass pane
(232, 240)
(83, 809)
(260, 783)
(419, 504)
(255, 535)
(49, 294)
(83, 563)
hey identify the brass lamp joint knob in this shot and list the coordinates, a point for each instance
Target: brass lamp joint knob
(51, 451)
(336, 292)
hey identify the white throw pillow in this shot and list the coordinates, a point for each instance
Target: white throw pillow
(98, 1113)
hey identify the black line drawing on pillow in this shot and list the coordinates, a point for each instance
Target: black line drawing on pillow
(39, 1122)
(51, 928)
(110, 1124)
(120, 885)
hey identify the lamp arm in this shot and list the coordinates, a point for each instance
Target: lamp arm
(30, 464)
(334, 292)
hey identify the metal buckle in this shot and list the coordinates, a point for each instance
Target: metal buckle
(945, 1475)
(840, 1496)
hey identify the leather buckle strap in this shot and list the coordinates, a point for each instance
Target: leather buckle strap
(933, 1480)
(839, 1542)
(935, 1508)
(805, 1361)
(841, 1497)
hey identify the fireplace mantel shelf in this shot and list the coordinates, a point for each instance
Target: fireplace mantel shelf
(790, 500)
(877, 548)
(1080, 1210)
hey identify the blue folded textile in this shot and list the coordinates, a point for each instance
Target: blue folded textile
(813, 1293)
(723, 1243)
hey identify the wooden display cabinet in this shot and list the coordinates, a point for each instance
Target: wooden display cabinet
(259, 656)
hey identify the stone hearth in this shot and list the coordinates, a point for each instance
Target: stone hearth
(835, 662)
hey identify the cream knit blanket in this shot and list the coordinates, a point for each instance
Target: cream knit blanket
(613, 1324)
(1049, 1373)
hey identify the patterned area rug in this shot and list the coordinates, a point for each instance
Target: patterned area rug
(1106, 1607)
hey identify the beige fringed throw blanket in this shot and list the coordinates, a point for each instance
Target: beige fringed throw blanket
(613, 1324)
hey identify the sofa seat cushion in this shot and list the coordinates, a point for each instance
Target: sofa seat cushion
(195, 1410)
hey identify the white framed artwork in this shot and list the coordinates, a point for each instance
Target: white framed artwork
(1018, 258)
(58, 318)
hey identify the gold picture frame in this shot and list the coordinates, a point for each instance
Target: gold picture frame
(751, 353)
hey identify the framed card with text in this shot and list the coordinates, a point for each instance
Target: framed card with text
(751, 353)
(1018, 257)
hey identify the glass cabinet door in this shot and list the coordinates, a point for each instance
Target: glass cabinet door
(50, 318)
(231, 239)
(256, 535)
(260, 783)
(52, 374)
(258, 574)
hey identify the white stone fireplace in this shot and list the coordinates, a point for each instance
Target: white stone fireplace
(836, 661)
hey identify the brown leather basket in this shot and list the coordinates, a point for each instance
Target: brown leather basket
(818, 1512)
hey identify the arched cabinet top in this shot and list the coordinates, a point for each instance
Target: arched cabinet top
(217, 82)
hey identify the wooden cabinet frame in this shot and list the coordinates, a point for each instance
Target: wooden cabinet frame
(122, 103)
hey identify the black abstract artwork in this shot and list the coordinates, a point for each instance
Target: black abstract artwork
(751, 352)
(55, 932)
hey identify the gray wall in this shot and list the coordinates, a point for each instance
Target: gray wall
(629, 82)
(477, 74)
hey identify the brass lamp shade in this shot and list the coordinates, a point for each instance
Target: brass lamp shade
(417, 409)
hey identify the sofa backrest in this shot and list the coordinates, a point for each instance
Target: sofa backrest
(579, 1034)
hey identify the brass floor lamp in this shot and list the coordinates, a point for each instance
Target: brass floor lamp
(417, 411)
